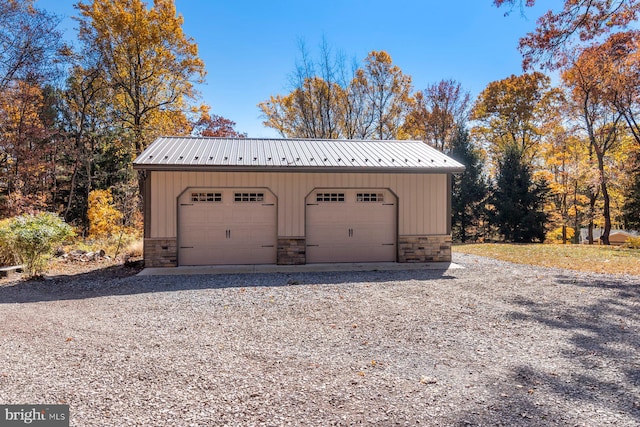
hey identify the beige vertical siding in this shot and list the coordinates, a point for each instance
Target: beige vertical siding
(422, 198)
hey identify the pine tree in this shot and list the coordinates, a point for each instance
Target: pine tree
(632, 200)
(469, 188)
(518, 201)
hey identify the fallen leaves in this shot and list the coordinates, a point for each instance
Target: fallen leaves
(428, 380)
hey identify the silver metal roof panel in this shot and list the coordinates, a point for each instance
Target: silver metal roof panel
(240, 154)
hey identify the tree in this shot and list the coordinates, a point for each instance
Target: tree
(372, 103)
(313, 108)
(309, 111)
(27, 152)
(29, 42)
(30, 48)
(215, 126)
(566, 164)
(584, 20)
(632, 201)
(148, 64)
(105, 220)
(600, 118)
(389, 94)
(511, 112)
(518, 201)
(619, 59)
(357, 120)
(83, 111)
(469, 188)
(438, 111)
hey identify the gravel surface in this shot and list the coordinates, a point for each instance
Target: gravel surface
(491, 344)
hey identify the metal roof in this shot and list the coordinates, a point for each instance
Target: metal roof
(246, 154)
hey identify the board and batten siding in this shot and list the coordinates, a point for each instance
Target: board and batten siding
(422, 198)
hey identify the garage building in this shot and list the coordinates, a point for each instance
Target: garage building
(211, 201)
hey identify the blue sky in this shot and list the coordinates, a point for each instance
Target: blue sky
(250, 47)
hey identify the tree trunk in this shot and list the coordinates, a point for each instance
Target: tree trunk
(606, 212)
(592, 207)
(71, 191)
(576, 222)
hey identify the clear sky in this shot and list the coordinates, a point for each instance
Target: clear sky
(250, 48)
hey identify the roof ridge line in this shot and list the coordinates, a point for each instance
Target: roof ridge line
(290, 139)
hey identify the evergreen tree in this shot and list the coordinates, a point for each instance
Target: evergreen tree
(518, 201)
(469, 188)
(632, 203)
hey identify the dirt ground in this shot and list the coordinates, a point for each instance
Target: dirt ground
(491, 344)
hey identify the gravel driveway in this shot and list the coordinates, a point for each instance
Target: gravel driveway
(491, 344)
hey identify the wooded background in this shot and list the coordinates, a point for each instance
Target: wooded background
(543, 160)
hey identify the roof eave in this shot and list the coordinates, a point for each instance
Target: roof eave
(351, 169)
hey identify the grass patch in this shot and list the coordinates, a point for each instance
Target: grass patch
(597, 259)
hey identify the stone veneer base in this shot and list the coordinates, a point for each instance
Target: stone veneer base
(424, 248)
(292, 251)
(160, 252)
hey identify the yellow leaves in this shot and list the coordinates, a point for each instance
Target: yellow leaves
(555, 236)
(512, 113)
(147, 61)
(372, 104)
(104, 218)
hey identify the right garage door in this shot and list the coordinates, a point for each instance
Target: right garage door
(351, 225)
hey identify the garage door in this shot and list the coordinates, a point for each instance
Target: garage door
(227, 226)
(346, 225)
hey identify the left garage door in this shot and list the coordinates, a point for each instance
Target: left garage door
(227, 226)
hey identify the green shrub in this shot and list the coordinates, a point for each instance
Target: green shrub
(7, 256)
(33, 239)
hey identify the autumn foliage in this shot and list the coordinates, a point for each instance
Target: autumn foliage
(105, 220)
(73, 118)
(558, 32)
(370, 103)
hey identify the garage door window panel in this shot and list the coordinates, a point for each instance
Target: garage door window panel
(248, 197)
(329, 197)
(369, 197)
(206, 197)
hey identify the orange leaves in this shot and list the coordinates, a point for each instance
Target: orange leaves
(21, 105)
(215, 126)
(436, 112)
(577, 21)
(147, 60)
(26, 150)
